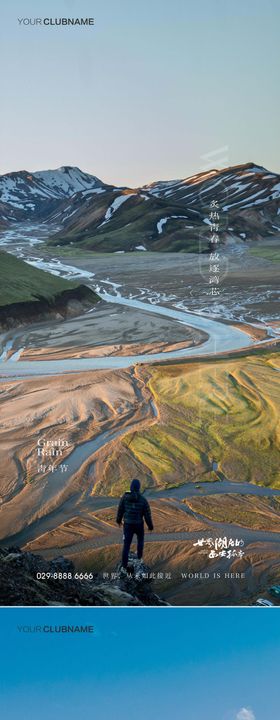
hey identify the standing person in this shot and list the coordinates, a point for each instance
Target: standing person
(134, 508)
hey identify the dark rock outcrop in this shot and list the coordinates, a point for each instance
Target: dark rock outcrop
(28, 579)
(67, 304)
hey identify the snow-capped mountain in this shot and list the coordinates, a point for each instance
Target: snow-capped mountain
(174, 215)
(166, 215)
(240, 186)
(66, 181)
(33, 192)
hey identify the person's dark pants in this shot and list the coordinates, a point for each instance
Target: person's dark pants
(129, 530)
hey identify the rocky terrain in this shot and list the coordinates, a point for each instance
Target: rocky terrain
(23, 581)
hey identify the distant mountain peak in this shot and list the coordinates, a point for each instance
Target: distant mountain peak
(67, 180)
(27, 190)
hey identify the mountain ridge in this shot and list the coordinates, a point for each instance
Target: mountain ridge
(171, 215)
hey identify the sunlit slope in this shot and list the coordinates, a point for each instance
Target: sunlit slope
(20, 282)
(227, 411)
(248, 511)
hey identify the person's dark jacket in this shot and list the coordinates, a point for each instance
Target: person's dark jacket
(133, 508)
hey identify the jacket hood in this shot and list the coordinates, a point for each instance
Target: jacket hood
(135, 485)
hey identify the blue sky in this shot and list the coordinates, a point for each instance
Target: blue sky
(198, 664)
(146, 93)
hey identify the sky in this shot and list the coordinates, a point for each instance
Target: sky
(194, 664)
(145, 94)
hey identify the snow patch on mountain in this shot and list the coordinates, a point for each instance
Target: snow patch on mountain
(66, 217)
(16, 189)
(93, 191)
(163, 221)
(116, 204)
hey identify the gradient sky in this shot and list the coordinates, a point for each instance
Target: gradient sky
(146, 93)
(194, 664)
